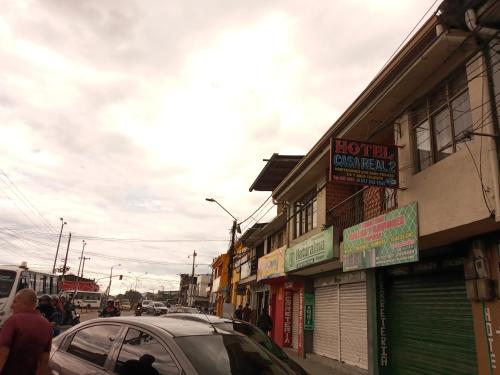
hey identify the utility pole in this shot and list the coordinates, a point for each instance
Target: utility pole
(110, 277)
(192, 281)
(66, 257)
(79, 266)
(58, 243)
(230, 267)
(83, 265)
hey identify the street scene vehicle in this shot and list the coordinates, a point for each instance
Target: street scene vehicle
(170, 346)
(145, 304)
(86, 299)
(13, 278)
(157, 308)
(125, 305)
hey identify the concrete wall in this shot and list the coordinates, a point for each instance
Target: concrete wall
(449, 193)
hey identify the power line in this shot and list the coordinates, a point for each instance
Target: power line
(251, 215)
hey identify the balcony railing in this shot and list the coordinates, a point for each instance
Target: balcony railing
(361, 206)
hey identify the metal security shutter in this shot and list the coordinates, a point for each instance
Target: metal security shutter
(353, 325)
(326, 336)
(429, 325)
(295, 321)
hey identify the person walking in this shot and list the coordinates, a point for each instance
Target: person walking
(265, 323)
(49, 312)
(239, 312)
(247, 313)
(25, 338)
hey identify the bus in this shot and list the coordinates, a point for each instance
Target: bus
(85, 299)
(14, 278)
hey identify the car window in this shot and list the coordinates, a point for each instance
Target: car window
(94, 343)
(229, 354)
(142, 354)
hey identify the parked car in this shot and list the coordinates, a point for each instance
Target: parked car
(157, 308)
(182, 310)
(125, 305)
(145, 305)
(170, 346)
(246, 329)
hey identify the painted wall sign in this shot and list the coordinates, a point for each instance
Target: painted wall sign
(272, 265)
(313, 250)
(383, 347)
(246, 270)
(300, 330)
(308, 312)
(287, 326)
(363, 163)
(388, 239)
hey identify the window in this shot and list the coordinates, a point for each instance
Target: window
(305, 213)
(7, 279)
(94, 343)
(141, 352)
(441, 119)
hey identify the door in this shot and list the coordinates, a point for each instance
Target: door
(429, 325)
(353, 325)
(326, 337)
(87, 353)
(295, 320)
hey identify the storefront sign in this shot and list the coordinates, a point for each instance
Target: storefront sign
(272, 265)
(308, 312)
(216, 285)
(245, 270)
(313, 250)
(300, 345)
(287, 327)
(388, 239)
(364, 163)
(384, 356)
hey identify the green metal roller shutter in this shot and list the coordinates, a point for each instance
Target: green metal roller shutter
(429, 325)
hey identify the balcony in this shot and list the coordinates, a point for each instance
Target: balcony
(363, 205)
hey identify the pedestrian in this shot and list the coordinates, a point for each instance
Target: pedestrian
(239, 312)
(25, 338)
(48, 311)
(68, 308)
(247, 312)
(110, 310)
(265, 323)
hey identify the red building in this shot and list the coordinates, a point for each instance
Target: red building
(71, 282)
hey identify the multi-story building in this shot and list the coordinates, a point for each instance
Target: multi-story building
(197, 290)
(396, 273)
(219, 290)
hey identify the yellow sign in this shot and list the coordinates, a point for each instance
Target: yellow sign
(272, 265)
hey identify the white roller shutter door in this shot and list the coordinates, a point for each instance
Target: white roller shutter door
(326, 322)
(353, 325)
(295, 321)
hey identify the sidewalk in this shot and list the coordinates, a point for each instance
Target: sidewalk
(318, 365)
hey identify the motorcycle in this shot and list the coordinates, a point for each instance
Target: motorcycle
(138, 311)
(75, 318)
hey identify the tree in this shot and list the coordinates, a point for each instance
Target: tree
(132, 295)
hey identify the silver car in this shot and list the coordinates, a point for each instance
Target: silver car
(148, 345)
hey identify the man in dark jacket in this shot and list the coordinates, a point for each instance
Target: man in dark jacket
(247, 312)
(239, 312)
(265, 323)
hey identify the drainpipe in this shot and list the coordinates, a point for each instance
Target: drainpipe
(493, 145)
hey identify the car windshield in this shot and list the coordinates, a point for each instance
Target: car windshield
(229, 354)
(159, 304)
(7, 279)
(254, 334)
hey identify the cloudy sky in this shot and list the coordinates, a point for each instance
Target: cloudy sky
(122, 116)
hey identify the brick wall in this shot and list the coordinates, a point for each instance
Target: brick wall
(336, 193)
(372, 202)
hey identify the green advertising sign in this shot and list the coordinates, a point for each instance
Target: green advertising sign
(313, 250)
(308, 312)
(388, 239)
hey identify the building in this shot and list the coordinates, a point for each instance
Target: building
(72, 282)
(184, 285)
(392, 231)
(219, 296)
(197, 294)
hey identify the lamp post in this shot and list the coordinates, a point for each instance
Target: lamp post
(235, 227)
(63, 223)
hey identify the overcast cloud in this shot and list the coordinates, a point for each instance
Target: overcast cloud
(122, 116)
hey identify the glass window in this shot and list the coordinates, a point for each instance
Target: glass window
(229, 354)
(94, 343)
(7, 279)
(441, 119)
(305, 214)
(143, 354)
(442, 132)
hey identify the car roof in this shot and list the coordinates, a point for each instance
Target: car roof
(174, 327)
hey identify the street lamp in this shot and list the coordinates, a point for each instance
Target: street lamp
(235, 228)
(63, 223)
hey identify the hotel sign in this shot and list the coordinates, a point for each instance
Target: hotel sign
(313, 250)
(272, 265)
(388, 239)
(363, 163)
